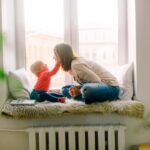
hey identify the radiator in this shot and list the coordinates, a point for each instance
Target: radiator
(77, 138)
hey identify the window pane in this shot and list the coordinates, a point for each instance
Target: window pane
(44, 28)
(98, 30)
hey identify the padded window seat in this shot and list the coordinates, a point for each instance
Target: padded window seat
(46, 109)
(19, 85)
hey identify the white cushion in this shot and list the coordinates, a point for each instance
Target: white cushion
(124, 74)
(19, 84)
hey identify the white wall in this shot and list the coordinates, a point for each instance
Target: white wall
(3, 85)
(137, 130)
(1, 58)
(8, 27)
(143, 51)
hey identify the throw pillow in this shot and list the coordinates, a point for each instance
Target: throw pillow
(19, 84)
(124, 74)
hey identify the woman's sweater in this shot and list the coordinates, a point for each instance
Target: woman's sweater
(85, 71)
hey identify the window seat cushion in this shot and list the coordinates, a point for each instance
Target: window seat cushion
(47, 109)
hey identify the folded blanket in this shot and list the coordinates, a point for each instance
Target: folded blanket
(47, 109)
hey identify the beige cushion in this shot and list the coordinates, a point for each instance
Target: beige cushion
(48, 109)
(19, 84)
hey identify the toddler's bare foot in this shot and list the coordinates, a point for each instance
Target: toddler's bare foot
(61, 99)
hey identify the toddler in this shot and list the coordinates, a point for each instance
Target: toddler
(40, 91)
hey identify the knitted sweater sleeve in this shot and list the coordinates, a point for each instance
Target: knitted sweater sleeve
(84, 74)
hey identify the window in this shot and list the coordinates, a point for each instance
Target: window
(92, 27)
(44, 27)
(98, 30)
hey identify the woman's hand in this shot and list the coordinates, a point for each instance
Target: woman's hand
(75, 91)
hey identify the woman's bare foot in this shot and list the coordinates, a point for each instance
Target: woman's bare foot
(75, 91)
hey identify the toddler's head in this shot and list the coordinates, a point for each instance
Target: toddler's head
(38, 66)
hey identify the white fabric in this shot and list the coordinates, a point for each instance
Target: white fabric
(124, 74)
(19, 84)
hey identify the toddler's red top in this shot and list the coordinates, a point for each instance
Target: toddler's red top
(44, 78)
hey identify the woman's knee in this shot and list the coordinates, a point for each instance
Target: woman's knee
(88, 93)
(87, 90)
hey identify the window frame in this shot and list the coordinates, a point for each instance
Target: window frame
(20, 34)
(8, 30)
(70, 30)
(122, 32)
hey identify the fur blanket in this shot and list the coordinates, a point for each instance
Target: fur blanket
(47, 109)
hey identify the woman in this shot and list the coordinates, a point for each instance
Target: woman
(97, 84)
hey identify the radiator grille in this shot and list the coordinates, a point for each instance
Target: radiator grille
(77, 138)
